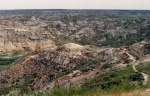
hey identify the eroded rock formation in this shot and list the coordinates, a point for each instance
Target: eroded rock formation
(45, 67)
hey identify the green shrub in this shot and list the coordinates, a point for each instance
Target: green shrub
(119, 78)
(144, 67)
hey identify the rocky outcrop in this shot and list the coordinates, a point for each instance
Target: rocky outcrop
(41, 69)
(27, 40)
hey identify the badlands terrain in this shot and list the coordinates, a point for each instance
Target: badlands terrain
(74, 53)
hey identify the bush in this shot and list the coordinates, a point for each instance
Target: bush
(118, 78)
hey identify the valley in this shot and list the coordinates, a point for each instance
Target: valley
(74, 52)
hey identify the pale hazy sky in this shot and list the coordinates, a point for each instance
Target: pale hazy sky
(75, 4)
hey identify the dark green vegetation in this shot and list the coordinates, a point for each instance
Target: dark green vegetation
(8, 58)
(144, 67)
(123, 79)
(114, 81)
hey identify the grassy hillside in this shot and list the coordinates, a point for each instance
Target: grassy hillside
(84, 92)
(7, 59)
(117, 82)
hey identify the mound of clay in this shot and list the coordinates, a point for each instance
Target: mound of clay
(72, 46)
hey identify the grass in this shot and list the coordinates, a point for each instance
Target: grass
(2, 67)
(144, 67)
(7, 59)
(117, 82)
(124, 79)
(78, 91)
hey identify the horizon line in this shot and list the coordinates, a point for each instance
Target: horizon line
(115, 9)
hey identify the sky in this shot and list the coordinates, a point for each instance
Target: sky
(75, 4)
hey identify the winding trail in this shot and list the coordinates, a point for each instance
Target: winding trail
(145, 76)
(134, 63)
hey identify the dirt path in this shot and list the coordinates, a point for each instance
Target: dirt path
(145, 76)
(134, 62)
